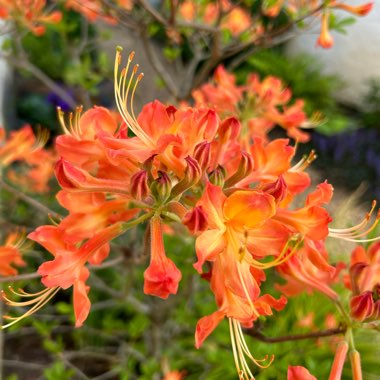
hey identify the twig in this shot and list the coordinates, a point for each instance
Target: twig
(39, 74)
(156, 63)
(31, 276)
(287, 338)
(31, 201)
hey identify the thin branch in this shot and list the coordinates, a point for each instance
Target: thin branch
(157, 65)
(31, 201)
(39, 74)
(31, 276)
(287, 338)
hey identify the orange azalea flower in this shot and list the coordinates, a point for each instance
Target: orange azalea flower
(29, 13)
(10, 254)
(161, 278)
(238, 235)
(169, 134)
(309, 270)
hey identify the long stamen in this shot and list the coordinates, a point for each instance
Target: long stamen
(304, 162)
(40, 300)
(122, 94)
(42, 137)
(74, 128)
(241, 351)
(355, 233)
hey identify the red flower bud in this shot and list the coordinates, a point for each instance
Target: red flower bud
(195, 220)
(356, 276)
(161, 187)
(139, 185)
(202, 155)
(276, 189)
(192, 176)
(217, 176)
(362, 306)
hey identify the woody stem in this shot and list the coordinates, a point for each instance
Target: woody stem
(286, 338)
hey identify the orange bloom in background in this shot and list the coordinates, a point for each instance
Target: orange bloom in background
(29, 13)
(272, 8)
(94, 10)
(10, 254)
(35, 165)
(259, 105)
(325, 39)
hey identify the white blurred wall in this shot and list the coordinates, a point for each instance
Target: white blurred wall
(354, 58)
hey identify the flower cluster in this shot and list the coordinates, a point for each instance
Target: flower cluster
(259, 105)
(235, 191)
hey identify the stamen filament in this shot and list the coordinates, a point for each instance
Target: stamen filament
(40, 301)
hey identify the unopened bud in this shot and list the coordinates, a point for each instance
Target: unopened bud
(217, 176)
(147, 166)
(202, 153)
(139, 185)
(276, 189)
(195, 220)
(376, 311)
(356, 276)
(362, 306)
(193, 174)
(245, 167)
(229, 129)
(161, 187)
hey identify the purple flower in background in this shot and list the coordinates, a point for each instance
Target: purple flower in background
(54, 99)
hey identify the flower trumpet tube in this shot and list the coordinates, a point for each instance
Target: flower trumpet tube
(161, 278)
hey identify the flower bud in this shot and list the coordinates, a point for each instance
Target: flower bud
(276, 189)
(356, 276)
(362, 306)
(195, 220)
(229, 129)
(246, 166)
(217, 176)
(139, 185)
(193, 174)
(202, 153)
(161, 187)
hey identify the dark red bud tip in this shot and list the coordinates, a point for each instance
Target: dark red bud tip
(246, 166)
(277, 189)
(202, 153)
(139, 185)
(362, 306)
(195, 220)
